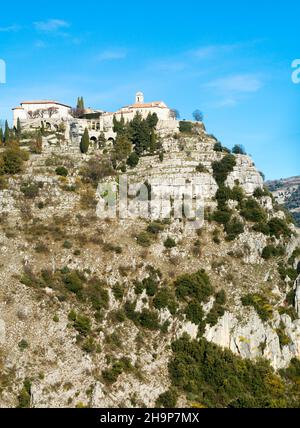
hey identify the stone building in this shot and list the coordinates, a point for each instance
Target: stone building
(42, 109)
(50, 114)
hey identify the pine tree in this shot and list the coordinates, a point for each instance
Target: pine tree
(1, 136)
(85, 142)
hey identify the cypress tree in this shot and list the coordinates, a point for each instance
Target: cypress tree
(1, 136)
(19, 128)
(101, 140)
(85, 142)
(82, 103)
(6, 133)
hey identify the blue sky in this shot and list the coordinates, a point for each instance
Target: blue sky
(232, 60)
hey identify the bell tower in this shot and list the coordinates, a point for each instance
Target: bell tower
(139, 98)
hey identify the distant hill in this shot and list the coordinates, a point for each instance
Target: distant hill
(287, 192)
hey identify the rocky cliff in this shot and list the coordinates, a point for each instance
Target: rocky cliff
(287, 192)
(103, 312)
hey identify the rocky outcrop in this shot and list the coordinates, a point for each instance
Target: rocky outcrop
(253, 338)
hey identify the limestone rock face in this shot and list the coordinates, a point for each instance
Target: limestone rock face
(246, 174)
(253, 338)
(297, 296)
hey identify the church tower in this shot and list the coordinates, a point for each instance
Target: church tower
(139, 98)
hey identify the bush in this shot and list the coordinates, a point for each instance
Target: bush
(194, 313)
(201, 169)
(111, 375)
(222, 216)
(30, 190)
(238, 149)
(170, 243)
(118, 291)
(133, 160)
(223, 168)
(271, 251)
(143, 239)
(24, 398)
(252, 211)
(278, 228)
(218, 147)
(217, 378)
(165, 298)
(168, 399)
(186, 127)
(233, 229)
(262, 228)
(194, 286)
(82, 324)
(260, 304)
(12, 161)
(155, 228)
(62, 171)
(148, 320)
(73, 282)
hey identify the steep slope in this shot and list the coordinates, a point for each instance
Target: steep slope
(287, 192)
(103, 312)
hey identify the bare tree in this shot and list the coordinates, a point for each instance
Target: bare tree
(52, 111)
(174, 113)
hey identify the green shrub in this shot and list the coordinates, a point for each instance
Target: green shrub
(194, 286)
(252, 211)
(260, 304)
(201, 169)
(218, 147)
(24, 398)
(82, 324)
(155, 228)
(217, 378)
(165, 298)
(262, 228)
(233, 229)
(148, 319)
(271, 251)
(222, 216)
(168, 399)
(67, 245)
(118, 291)
(284, 339)
(62, 171)
(23, 344)
(170, 243)
(144, 240)
(215, 314)
(223, 168)
(133, 160)
(111, 376)
(12, 161)
(30, 190)
(238, 149)
(186, 127)
(194, 313)
(278, 228)
(73, 282)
